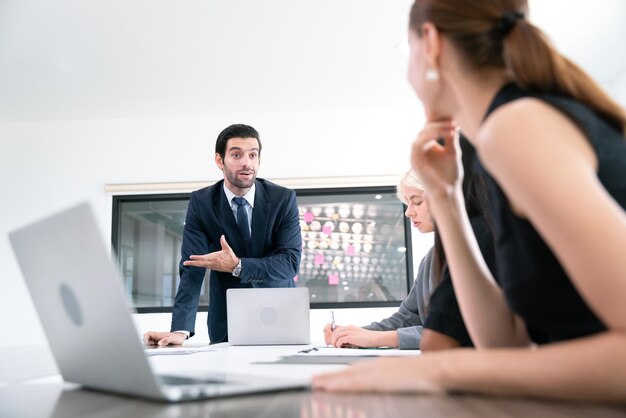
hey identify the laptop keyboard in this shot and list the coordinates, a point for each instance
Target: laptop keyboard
(181, 380)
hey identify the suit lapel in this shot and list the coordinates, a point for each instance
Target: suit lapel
(260, 217)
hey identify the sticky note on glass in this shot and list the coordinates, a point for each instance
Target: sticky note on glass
(333, 279)
(295, 279)
(327, 229)
(308, 217)
(319, 259)
(350, 250)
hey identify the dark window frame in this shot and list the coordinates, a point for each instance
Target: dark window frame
(339, 191)
(117, 200)
(126, 198)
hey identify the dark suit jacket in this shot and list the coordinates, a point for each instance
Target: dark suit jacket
(275, 251)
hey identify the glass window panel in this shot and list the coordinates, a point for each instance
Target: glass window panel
(147, 236)
(354, 247)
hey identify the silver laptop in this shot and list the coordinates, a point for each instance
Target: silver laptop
(84, 312)
(268, 316)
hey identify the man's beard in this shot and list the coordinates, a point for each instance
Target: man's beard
(240, 183)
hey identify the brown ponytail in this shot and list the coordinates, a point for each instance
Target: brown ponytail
(537, 66)
(533, 63)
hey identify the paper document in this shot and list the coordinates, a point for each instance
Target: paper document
(358, 352)
(178, 350)
(332, 355)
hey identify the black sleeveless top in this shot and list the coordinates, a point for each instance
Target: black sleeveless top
(533, 281)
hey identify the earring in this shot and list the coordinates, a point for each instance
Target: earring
(432, 74)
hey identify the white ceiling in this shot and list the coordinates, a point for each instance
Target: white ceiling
(77, 59)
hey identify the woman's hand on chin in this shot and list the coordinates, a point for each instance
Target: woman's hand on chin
(436, 158)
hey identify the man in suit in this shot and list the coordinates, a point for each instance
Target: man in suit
(218, 236)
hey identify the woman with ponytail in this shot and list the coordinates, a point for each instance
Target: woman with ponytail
(551, 149)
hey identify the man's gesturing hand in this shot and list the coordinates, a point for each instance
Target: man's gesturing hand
(224, 260)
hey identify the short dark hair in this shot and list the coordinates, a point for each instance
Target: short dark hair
(237, 130)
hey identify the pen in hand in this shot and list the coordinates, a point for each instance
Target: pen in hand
(332, 320)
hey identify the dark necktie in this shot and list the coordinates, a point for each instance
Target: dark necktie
(242, 221)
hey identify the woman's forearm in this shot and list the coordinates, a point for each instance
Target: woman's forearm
(388, 339)
(585, 369)
(489, 320)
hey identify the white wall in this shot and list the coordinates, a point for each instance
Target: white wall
(48, 166)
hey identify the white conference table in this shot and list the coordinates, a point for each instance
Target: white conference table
(244, 360)
(49, 396)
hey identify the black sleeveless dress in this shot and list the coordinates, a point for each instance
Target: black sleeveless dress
(533, 281)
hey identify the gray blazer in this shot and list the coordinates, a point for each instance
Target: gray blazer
(411, 315)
